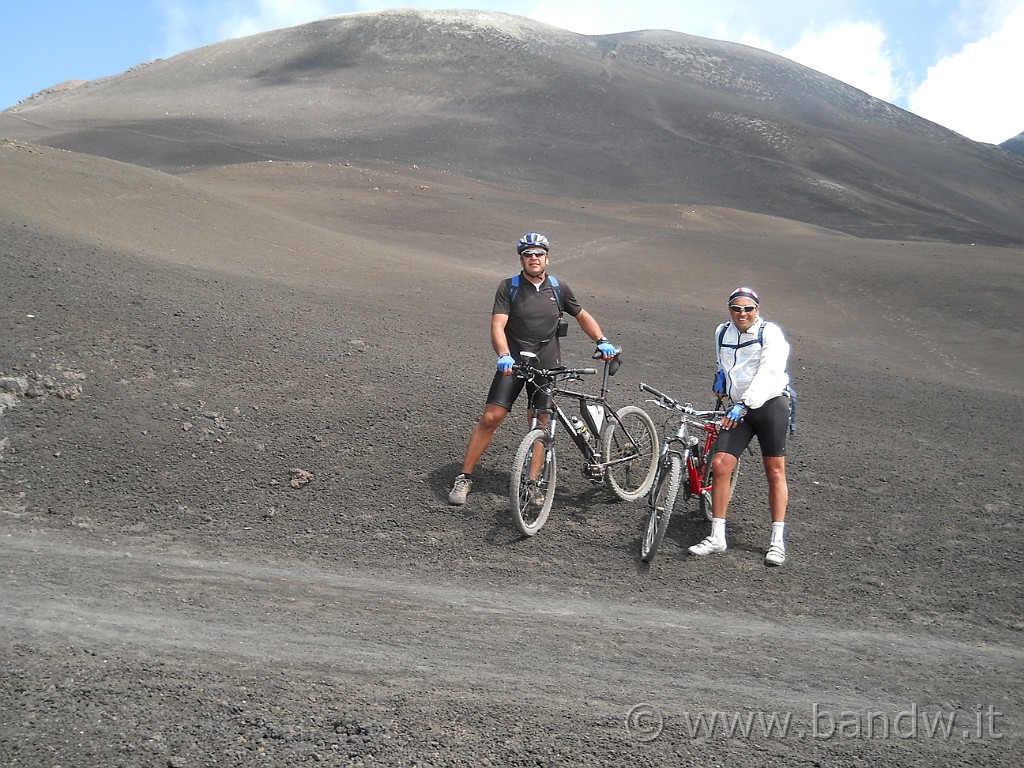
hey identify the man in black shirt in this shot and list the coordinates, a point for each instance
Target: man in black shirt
(527, 309)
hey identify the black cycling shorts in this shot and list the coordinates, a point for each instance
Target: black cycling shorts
(505, 389)
(770, 423)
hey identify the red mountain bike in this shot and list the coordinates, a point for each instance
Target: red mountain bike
(684, 464)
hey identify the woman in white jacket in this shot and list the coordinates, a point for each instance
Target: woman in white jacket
(752, 358)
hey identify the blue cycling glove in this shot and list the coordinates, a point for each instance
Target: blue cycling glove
(606, 348)
(505, 363)
(719, 386)
(736, 412)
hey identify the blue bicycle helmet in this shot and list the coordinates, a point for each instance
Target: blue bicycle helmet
(531, 240)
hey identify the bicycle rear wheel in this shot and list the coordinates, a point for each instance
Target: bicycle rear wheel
(706, 481)
(631, 442)
(530, 497)
(663, 501)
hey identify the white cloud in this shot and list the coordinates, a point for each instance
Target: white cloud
(853, 52)
(194, 23)
(275, 14)
(975, 92)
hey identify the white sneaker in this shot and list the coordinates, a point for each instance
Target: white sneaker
(776, 555)
(710, 546)
(460, 490)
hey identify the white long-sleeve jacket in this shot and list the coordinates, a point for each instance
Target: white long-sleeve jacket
(755, 372)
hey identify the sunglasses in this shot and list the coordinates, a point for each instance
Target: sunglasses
(738, 309)
(527, 254)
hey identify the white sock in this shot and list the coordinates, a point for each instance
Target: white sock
(718, 528)
(777, 530)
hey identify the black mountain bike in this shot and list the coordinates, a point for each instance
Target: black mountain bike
(619, 447)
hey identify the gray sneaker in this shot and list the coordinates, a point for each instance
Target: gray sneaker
(460, 490)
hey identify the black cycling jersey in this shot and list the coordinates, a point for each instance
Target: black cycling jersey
(533, 317)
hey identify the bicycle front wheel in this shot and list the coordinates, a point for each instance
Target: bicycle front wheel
(630, 447)
(662, 504)
(532, 488)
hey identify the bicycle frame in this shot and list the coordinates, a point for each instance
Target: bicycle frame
(553, 389)
(682, 443)
(695, 467)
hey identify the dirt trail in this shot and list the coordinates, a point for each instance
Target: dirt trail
(581, 658)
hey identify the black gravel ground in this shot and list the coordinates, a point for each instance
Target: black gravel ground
(226, 542)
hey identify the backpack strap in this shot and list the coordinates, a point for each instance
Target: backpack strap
(514, 289)
(558, 296)
(758, 340)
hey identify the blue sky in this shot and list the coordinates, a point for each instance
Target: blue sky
(955, 62)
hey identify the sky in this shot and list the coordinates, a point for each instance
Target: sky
(954, 62)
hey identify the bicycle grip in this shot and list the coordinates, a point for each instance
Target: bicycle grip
(648, 388)
(613, 364)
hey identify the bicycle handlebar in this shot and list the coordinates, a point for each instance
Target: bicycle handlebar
(671, 404)
(527, 371)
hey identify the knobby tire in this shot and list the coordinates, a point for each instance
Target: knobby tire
(662, 503)
(528, 516)
(632, 435)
